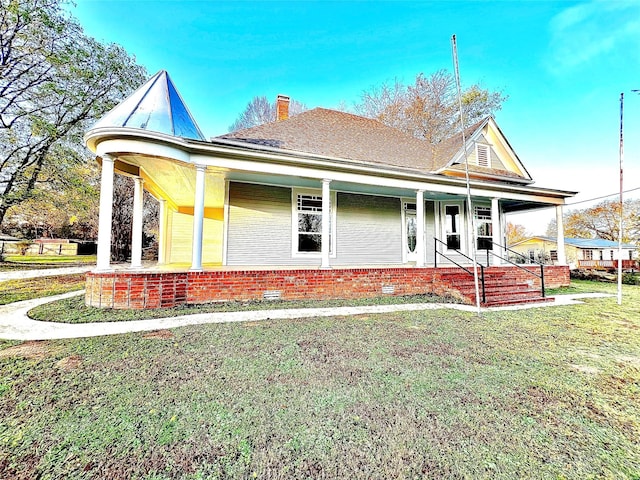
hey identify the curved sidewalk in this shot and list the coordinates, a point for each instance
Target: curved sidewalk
(16, 325)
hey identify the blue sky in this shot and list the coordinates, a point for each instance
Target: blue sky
(563, 65)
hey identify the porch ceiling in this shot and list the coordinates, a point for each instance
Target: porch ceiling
(175, 181)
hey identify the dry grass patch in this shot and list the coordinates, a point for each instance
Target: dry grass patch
(29, 350)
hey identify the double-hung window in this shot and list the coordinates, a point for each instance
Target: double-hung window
(484, 228)
(307, 222)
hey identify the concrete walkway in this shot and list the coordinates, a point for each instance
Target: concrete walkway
(16, 325)
(43, 272)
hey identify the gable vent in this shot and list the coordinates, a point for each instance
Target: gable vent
(482, 155)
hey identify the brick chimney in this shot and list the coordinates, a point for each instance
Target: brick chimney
(282, 108)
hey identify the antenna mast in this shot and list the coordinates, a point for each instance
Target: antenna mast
(466, 172)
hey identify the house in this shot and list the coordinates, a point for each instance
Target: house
(321, 205)
(591, 253)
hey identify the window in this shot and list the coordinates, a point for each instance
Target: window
(483, 155)
(554, 255)
(532, 256)
(601, 254)
(307, 222)
(611, 255)
(452, 225)
(587, 254)
(484, 228)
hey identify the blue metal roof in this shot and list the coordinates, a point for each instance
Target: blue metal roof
(155, 106)
(590, 242)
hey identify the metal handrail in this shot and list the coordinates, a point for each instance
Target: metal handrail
(541, 276)
(435, 264)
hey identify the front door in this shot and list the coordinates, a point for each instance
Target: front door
(453, 226)
(410, 231)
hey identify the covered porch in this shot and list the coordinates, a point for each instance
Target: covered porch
(247, 219)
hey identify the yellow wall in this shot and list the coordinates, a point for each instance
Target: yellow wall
(181, 234)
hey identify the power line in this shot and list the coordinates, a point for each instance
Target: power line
(600, 198)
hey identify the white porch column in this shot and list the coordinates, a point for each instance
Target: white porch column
(136, 230)
(106, 210)
(198, 220)
(420, 247)
(326, 224)
(562, 256)
(496, 230)
(162, 231)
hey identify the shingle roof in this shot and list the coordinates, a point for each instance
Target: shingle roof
(343, 135)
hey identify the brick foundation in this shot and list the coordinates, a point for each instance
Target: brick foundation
(138, 290)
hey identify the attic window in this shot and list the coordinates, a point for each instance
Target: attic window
(483, 155)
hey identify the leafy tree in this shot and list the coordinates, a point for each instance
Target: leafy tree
(516, 233)
(54, 83)
(428, 109)
(259, 111)
(602, 221)
(69, 212)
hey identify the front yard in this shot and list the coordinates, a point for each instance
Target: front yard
(541, 393)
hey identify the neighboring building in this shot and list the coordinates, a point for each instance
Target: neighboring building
(593, 253)
(301, 206)
(41, 246)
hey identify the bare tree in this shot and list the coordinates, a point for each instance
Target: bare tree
(259, 111)
(428, 108)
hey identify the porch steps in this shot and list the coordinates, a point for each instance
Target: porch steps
(503, 286)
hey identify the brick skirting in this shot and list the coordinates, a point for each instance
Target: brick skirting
(138, 290)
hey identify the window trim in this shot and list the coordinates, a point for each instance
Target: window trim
(484, 219)
(317, 192)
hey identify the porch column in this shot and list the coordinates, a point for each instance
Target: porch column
(106, 210)
(420, 228)
(198, 220)
(326, 224)
(496, 230)
(162, 231)
(562, 256)
(136, 230)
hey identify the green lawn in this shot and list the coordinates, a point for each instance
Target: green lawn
(542, 393)
(27, 262)
(29, 288)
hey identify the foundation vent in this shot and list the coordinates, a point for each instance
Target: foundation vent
(388, 289)
(272, 295)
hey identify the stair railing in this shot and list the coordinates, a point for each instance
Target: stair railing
(435, 264)
(506, 259)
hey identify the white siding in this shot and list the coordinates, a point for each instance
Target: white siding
(259, 231)
(368, 230)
